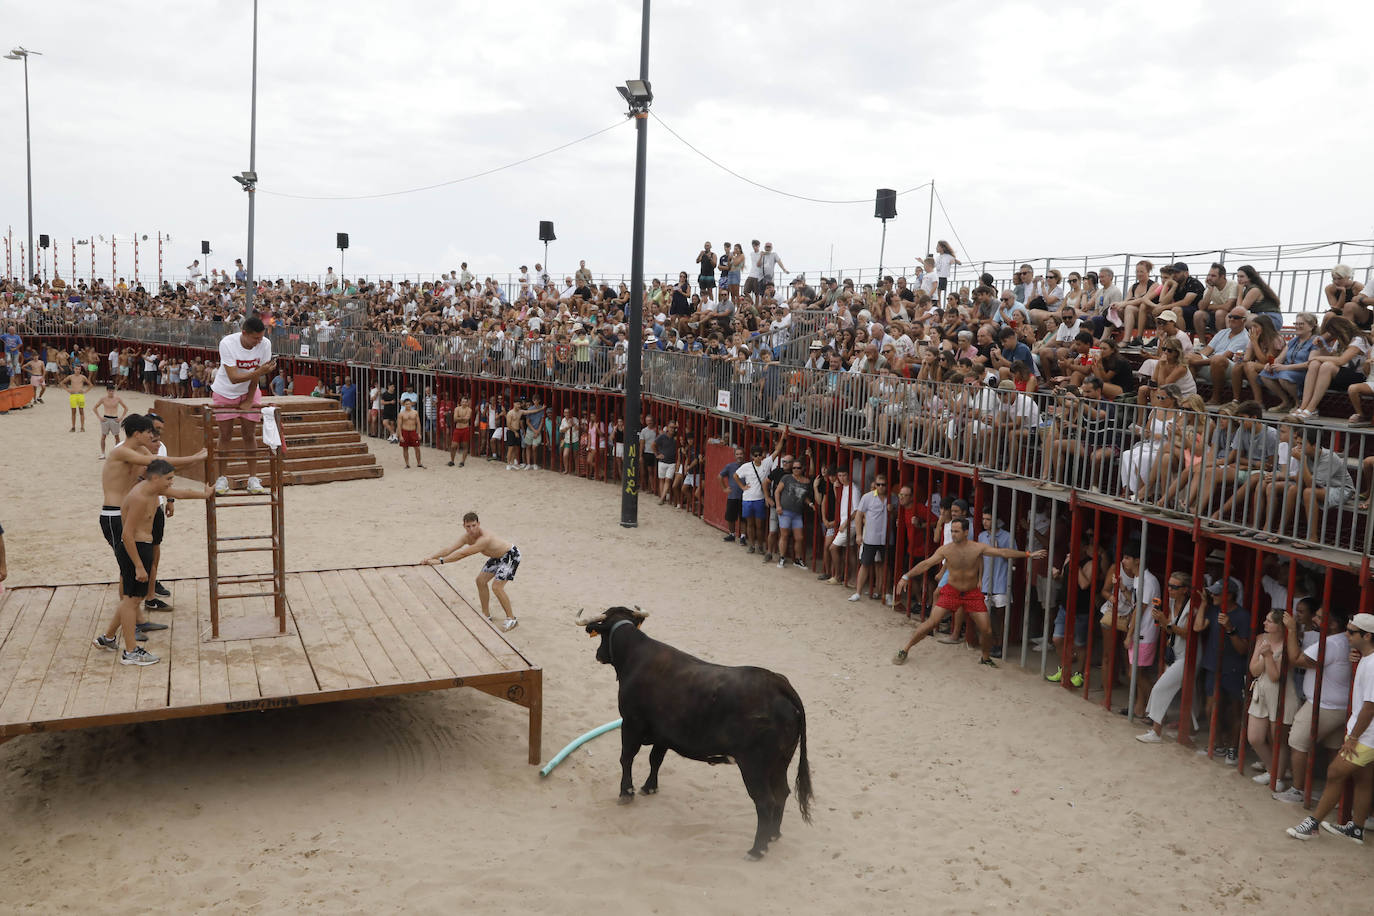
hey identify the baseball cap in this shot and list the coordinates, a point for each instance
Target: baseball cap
(1179, 265)
(1363, 622)
(1168, 315)
(1006, 385)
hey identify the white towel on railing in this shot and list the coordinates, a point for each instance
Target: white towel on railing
(271, 431)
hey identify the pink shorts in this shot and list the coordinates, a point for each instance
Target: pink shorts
(220, 401)
(1147, 653)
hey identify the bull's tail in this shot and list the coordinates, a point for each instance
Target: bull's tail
(803, 784)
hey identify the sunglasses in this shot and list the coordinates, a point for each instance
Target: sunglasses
(1354, 632)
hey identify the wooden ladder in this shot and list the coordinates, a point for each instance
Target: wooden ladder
(273, 583)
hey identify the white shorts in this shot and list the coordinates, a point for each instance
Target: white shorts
(665, 469)
(842, 539)
(996, 600)
(689, 480)
(620, 449)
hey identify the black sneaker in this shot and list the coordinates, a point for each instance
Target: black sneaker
(743, 541)
(107, 642)
(162, 591)
(987, 661)
(148, 626)
(728, 538)
(1306, 830)
(799, 564)
(995, 651)
(156, 604)
(1348, 830)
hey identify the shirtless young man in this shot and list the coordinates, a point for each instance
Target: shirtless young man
(963, 561)
(126, 462)
(408, 424)
(134, 550)
(109, 420)
(76, 385)
(503, 560)
(514, 431)
(462, 432)
(37, 377)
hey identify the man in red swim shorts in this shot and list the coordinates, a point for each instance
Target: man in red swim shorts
(462, 431)
(963, 561)
(408, 425)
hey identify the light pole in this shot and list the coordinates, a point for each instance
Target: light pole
(249, 179)
(23, 54)
(638, 95)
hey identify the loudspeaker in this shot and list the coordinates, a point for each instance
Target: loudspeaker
(42, 241)
(341, 240)
(204, 247)
(546, 231)
(885, 206)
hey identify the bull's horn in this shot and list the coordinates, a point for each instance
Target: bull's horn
(640, 612)
(588, 621)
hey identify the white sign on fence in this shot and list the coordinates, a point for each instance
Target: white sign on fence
(305, 349)
(723, 399)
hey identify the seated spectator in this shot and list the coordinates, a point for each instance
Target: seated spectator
(1154, 430)
(1011, 350)
(1264, 347)
(1137, 310)
(1218, 300)
(1169, 368)
(1348, 298)
(1114, 372)
(1287, 376)
(1185, 297)
(1317, 476)
(1213, 363)
(1255, 296)
(1242, 466)
(1340, 365)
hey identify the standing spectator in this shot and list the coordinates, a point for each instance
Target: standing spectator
(793, 497)
(1224, 651)
(769, 262)
(752, 478)
(13, 342)
(4, 567)
(734, 495)
(753, 287)
(388, 402)
(871, 514)
(737, 264)
(706, 271)
(1352, 765)
(429, 408)
(1176, 617)
(944, 263)
(840, 542)
(1266, 667)
(996, 584)
(665, 447)
(1328, 708)
(782, 468)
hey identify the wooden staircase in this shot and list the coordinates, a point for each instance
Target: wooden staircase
(321, 444)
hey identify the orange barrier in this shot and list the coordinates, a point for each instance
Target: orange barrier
(15, 397)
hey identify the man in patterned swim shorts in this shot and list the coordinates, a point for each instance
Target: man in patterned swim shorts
(963, 561)
(502, 563)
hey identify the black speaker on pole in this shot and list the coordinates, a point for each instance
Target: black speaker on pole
(885, 206)
(341, 240)
(204, 247)
(546, 231)
(42, 241)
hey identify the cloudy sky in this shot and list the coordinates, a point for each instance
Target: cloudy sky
(1050, 128)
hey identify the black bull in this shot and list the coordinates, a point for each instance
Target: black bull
(673, 701)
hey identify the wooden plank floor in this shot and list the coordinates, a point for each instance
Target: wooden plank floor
(352, 633)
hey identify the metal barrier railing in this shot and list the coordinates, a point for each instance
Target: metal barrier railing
(1281, 480)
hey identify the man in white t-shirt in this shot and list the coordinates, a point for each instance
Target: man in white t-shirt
(752, 479)
(1329, 708)
(1355, 763)
(245, 358)
(841, 537)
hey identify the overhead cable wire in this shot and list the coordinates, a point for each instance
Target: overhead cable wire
(962, 247)
(444, 184)
(724, 168)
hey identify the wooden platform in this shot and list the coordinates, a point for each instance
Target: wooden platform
(321, 443)
(352, 633)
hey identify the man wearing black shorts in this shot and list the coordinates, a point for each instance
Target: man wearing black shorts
(503, 560)
(734, 496)
(706, 271)
(134, 552)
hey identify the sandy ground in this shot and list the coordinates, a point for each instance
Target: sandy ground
(941, 787)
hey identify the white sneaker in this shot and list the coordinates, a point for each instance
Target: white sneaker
(854, 597)
(255, 486)
(222, 486)
(509, 623)
(1262, 779)
(1149, 738)
(1290, 795)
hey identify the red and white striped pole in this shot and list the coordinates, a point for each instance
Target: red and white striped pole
(92, 277)
(159, 260)
(23, 268)
(9, 264)
(73, 260)
(114, 260)
(135, 259)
